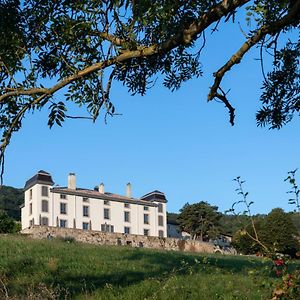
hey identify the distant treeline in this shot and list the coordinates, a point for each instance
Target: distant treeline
(230, 224)
(10, 200)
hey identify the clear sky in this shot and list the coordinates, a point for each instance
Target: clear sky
(174, 142)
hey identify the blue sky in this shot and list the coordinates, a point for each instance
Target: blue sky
(174, 142)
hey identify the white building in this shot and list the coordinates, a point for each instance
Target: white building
(73, 207)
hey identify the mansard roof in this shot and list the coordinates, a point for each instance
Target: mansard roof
(97, 195)
(155, 196)
(42, 177)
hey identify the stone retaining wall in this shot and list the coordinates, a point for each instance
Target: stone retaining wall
(105, 238)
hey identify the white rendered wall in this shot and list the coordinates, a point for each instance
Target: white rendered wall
(96, 213)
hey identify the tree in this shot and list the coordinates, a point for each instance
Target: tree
(82, 46)
(8, 225)
(279, 232)
(243, 240)
(200, 220)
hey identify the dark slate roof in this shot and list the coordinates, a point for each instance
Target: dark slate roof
(155, 196)
(97, 195)
(42, 177)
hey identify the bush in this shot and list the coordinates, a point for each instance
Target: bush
(8, 225)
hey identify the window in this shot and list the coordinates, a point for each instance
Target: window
(146, 232)
(85, 211)
(107, 228)
(160, 221)
(85, 199)
(146, 208)
(106, 214)
(44, 191)
(160, 233)
(63, 208)
(126, 216)
(30, 194)
(146, 219)
(160, 208)
(106, 202)
(44, 221)
(63, 223)
(44, 206)
(126, 205)
(63, 196)
(30, 209)
(31, 222)
(85, 226)
(127, 230)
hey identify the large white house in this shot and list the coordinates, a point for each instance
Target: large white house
(73, 207)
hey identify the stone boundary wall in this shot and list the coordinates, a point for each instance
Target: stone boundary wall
(107, 238)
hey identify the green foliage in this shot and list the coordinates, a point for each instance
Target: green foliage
(201, 220)
(279, 232)
(243, 240)
(52, 269)
(84, 46)
(276, 231)
(281, 88)
(8, 225)
(10, 200)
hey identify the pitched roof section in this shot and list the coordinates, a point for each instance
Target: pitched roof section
(155, 196)
(97, 195)
(42, 177)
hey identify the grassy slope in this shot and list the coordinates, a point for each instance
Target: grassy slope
(58, 270)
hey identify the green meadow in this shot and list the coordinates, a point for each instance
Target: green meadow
(56, 269)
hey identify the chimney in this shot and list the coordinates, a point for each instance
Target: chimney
(128, 190)
(101, 188)
(72, 181)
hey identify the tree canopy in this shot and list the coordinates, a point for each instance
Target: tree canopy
(200, 220)
(81, 47)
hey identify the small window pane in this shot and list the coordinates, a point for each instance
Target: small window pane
(146, 232)
(63, 208)
(126, 205)
(160, 233)
(85, 226)
(44, 206)
(44, 221)
(106, 214)
(146, 208)
(85, 199)
(126, 216)
(160, 208)
(30, 209)
(106, 202)
(30, 194)
(63, 223)
(63, 196)
(85, 211)
(146, 219)
(160, 221)
(44, 191)
(127, 230)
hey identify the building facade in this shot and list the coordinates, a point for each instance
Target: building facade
(73, 207)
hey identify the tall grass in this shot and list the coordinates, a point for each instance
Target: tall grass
(42, 269)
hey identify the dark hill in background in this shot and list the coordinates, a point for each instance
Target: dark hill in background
(10, 200)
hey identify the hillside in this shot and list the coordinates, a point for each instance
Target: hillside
(10, 200)
(56, 269)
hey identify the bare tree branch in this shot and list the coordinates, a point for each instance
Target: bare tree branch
(291, 17)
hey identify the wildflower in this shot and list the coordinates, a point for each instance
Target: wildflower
(278, 273)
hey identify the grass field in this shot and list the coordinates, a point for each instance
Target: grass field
(32, 269)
